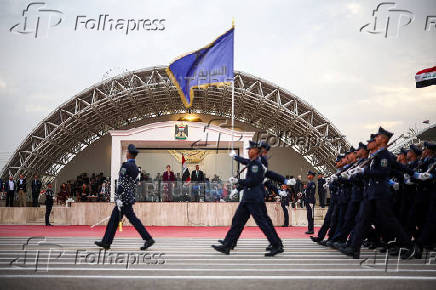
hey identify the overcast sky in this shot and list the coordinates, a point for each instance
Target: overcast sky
(358, 80)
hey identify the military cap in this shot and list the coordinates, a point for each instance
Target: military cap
(382, 131)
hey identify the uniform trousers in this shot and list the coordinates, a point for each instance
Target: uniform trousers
(111, 228)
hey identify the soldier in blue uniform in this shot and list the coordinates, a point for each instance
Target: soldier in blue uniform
(124, 200)
(49, 198)
(321, 189)
(357, 184)
(309, 201)
(329, 219)
(252, 203)
(427, 237)
(378, 200)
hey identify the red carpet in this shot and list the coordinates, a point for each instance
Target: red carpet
(158, 232)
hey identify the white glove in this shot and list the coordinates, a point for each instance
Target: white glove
(290, 181)
(357, 170)
(396, 186)
(345, 175)
(233, 180)
(406, 176)
(334, 177)
(325, 186)
(408, 182)
(283, 193)
(119, 203)
(233, 193)
(232, 154)
(423, 176)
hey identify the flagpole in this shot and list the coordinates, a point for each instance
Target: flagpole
(233, 97)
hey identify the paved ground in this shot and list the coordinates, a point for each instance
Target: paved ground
(190, 263)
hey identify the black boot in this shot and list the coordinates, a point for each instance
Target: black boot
(147, 244)
(222, 243)
(315, 239)
(222, 249)
(274, 251)
(269, 248)
(102, 245)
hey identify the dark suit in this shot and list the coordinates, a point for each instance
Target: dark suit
(197, 176)
(36, 189)
(10, 193)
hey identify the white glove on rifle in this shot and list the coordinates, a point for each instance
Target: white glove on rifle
(345, 175)
(119, 204)
(233, 193)
(423, 176)
(333, 177)
(408, 182)
(396, 186)
(290, 181)
(233, 180)
(325, 186)
(232, 154)
(358, 170)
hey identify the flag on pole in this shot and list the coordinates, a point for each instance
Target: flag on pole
(426, 77)
(211, 65)
(184, 168)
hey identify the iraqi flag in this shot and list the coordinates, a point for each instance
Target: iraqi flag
(184, 168)
(426, 77)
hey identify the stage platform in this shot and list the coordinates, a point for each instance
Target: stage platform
(153, 214)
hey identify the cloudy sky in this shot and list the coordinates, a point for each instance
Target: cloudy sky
(315, 49)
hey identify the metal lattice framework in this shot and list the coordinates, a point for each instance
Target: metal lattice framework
(148, 93)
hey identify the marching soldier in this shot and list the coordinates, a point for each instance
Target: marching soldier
(427, 237)
(321, 189)
(252, 203)
(329, 219)
(124, 200)
(378, 202)
(309, 201)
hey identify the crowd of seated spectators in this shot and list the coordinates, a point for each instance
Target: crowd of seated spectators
(86, 188)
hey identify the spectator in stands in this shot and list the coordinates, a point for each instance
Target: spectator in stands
(22, 189)
(84, 193)
(168, 175)
(104, 192)
(10, 188)
(197, 175)
(63, 194)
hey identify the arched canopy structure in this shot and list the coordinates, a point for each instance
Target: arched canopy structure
(148, 93)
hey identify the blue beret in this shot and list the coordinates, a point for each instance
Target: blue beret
(430, 146)
(253, 144)
(265, 145)
(415, 149)
(132, 149)
(362, 146)
(382, 131)
(371, 138)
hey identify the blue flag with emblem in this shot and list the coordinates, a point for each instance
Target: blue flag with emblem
(209, 66)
